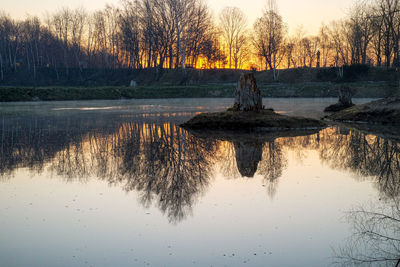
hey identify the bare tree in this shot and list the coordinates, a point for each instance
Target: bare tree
(309, 48)
(233, 24)
(210, 49)
(389, 10)
(182, 14)
(360, 32)
(269, 33)
(339, 43)
(325, 45)
(78, 22)
(289, 50)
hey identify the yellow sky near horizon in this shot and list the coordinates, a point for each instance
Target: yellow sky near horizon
(306, 13)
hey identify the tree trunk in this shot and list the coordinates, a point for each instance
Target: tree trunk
(247, 96)
(183, 50)
(1, 67)
(171, 56)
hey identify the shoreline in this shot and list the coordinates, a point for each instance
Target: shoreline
(71, 93)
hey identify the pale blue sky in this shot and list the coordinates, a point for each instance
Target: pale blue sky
(309, 13)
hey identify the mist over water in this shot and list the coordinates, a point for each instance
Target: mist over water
(120, 183)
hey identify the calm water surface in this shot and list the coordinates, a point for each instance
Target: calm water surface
(119, 183)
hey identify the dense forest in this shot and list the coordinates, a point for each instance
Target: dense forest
(171, 34)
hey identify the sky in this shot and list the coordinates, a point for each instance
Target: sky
(306, 13)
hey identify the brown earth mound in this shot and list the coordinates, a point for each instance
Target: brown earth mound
(264, 120)
(385, 111)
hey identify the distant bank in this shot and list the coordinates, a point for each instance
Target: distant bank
(214, 90)
(46, 77)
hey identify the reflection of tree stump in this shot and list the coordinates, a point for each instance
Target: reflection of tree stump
(248, 155)
(247, 96)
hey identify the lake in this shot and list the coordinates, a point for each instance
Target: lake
(119, 183)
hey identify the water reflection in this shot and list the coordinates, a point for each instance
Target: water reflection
(171, 167)
(248, 155)
(161, 161)
(375, 240)
(368, 156)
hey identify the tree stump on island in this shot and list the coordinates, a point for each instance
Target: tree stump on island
(247, 95)
(345, 96)
(345, 100)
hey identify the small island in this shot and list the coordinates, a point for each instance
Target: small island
(248, 114)
(385, 111)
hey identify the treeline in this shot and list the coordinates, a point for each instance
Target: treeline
(160, 34)
(369, 34)
(135, 35)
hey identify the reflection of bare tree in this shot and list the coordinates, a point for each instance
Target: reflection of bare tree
(31, 142)
(227, 163)
(366, 155)
(162, 162)
(375, 240)
(168, 163)
(172, 167)
(272, 166)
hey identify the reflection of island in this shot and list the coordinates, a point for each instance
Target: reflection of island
(247, 154)
(172, 167)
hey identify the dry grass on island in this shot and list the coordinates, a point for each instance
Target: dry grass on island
(264, 120)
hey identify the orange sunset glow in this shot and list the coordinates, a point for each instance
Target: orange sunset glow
(304, 26)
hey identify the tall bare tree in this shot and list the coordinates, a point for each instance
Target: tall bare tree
(233, 24)
(269, 34)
